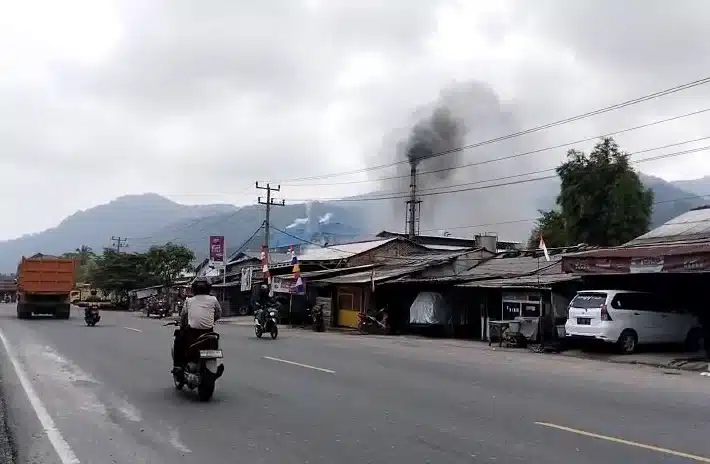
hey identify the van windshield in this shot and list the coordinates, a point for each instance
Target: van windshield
(589, 300)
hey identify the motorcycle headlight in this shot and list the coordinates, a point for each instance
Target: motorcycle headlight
(272, 313)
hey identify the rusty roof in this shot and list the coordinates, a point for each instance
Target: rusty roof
(532, 281)
(670, 249)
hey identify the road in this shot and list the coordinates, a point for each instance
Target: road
(104, 395)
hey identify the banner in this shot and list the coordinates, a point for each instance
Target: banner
(217, 249)
(283, 285)
(246, 280)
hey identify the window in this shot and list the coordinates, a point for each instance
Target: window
(346, 301)
(589, 301)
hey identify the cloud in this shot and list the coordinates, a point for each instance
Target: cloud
(200, 99)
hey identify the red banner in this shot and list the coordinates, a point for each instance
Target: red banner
(217, 248)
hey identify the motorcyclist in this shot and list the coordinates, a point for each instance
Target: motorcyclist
(197, 317)
(92, 298)
(262, 304)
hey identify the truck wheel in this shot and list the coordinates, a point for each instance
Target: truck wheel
(22, 313)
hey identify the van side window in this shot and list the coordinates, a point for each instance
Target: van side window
(622, 301)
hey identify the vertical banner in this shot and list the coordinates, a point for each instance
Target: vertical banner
(217, 249)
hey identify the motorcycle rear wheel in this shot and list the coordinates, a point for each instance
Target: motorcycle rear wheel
(205, 390)
(258, 332)
(179, 381)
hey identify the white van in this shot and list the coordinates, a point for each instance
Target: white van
(629, 318)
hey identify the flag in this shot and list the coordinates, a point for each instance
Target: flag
(372, 279)
(543, 247)
(296, 271)
(265, 264)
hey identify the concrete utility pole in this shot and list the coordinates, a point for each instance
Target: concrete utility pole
(119, 242)
(269, 203)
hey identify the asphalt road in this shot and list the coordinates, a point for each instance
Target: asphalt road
(105, 395)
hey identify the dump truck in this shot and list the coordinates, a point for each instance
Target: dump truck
(44, 286)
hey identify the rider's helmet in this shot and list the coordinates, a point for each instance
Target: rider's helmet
(93, 292)
(201, 286)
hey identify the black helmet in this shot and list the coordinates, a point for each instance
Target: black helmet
(93, 292)
(201, 286)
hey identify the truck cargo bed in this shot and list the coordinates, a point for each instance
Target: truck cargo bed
(46, 276)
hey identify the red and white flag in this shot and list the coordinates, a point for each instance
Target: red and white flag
(543, 247)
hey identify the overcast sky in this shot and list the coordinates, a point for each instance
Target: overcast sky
(197, 99)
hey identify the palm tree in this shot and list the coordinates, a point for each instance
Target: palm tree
(84, 254)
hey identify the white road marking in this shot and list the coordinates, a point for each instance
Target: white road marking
(131, 328)
(328, 371)
(60, 445)
(657, 449)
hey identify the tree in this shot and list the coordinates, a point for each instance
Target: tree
(120, 273)
(551, 225)
(85, 257)
(602, 200)
(168, 262)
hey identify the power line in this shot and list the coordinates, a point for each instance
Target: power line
(246, 242)
(332, 247)
(508, 157)
(560, 122)
(269, 203)
(119, 243)
(517, 221)
(463, 187)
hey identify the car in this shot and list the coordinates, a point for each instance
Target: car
(629, 318)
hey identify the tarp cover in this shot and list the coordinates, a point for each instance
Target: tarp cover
(430, 308)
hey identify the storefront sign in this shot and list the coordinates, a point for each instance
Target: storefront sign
(646, 265)
(217, 249)
(595, 265)
(687, 263)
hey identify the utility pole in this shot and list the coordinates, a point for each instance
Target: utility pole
(119, 242)
(269, 203)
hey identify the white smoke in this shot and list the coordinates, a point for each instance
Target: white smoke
(298, 222)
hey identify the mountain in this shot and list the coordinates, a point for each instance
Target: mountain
(151, 219)
(670, 199)
(699, 187)
(129, 216)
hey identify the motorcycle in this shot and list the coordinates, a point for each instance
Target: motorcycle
(202, 367)
(318, 320)
(269, 316)
(91, 315)
(369, 324)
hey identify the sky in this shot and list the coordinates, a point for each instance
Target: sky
(198, 99)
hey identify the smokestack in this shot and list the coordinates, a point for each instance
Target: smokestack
(437, 133)
(413, 203)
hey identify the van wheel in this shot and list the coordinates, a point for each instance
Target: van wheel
(694, 341)
(628, 341)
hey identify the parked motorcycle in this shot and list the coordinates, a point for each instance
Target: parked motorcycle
(318, 320)
(369, 324)
(266, 320)
(91, 315)
(203, 366)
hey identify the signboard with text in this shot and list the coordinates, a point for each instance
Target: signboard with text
(217, 250)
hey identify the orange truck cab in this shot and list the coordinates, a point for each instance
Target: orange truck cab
(44, 286)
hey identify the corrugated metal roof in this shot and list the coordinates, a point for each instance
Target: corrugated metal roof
(535, 280)
(501, 266)
(398, 267)
(693, 225)
(344, 251)
(447, 247)
(380, 274)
